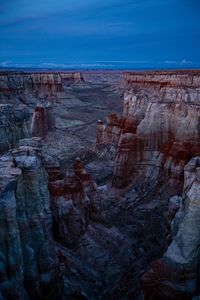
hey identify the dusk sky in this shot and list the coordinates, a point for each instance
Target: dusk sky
(100, 33)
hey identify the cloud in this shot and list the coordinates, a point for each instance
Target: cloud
(5, 63)
(180, 62)
(185, 62)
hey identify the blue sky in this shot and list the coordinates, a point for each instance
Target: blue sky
(100, 33)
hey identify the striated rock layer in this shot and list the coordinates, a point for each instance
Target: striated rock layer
(40, 84)
(175, 79)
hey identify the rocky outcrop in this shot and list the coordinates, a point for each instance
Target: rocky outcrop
(110, 132)
(28, 267)
(129, 157)
(14, 125)
(72, 201)
(43, 120)
(135, 105)
(176, 275)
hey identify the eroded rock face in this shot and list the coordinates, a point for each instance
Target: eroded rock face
(43, 120)
(29, 267)
(165, 148)
(166, 115)
(14, 125)
(111, 132)
(73, 77)
(176, 276)
(130, 152)
(72, 199)
(14, 84)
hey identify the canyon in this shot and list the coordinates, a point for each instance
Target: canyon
(100, 185)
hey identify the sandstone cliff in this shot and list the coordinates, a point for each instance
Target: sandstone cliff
(165, 118)
(175, 79)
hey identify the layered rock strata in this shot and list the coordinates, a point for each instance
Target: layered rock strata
(40, 84)
(175, 79)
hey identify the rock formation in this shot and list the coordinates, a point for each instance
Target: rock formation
(129, 157)
(164, 115)
(176, 275)
(14, 125)
(38, 84)
(72, 200)
(29, 267)
(62, 235)
(186, 79)
(43, 120)
(164, 147)
(71, 77)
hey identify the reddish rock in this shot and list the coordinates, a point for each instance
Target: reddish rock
(111, 132)
(43, 121)
(72, 201)
(107, 134)
(129, 156)
(164, 78)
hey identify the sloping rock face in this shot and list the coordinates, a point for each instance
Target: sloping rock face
(176, 275)
(28, 266)
(14, 125)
